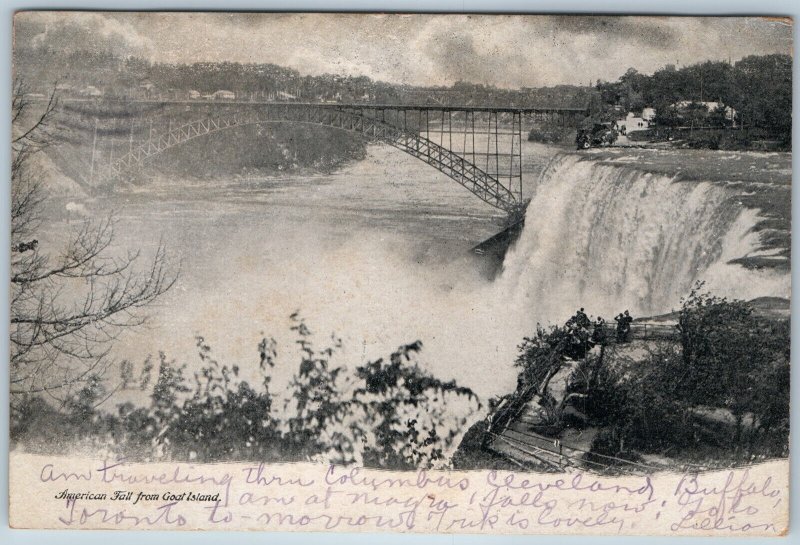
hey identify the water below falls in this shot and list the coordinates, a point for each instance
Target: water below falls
(378, 253)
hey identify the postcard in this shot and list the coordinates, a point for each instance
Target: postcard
(488, 274)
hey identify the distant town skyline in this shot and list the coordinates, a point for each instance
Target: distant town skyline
(424, 50)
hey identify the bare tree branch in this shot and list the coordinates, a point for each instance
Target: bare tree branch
(35, 133)
(67, 309)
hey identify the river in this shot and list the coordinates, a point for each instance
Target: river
(378, 254)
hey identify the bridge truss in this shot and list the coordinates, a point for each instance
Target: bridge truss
(480, 148)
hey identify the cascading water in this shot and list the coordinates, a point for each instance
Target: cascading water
(610, 238)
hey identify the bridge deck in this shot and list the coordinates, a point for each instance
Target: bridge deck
(347, 105)
(479, 147)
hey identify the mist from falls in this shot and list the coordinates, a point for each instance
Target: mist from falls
(379, 266)
(610, 238)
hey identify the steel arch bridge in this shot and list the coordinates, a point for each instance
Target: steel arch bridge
(479, 148)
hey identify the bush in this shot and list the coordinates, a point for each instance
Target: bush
(389, 414)
(722, 391)
(637, 403)
(733, 359)
(552, 134)
(729, 362)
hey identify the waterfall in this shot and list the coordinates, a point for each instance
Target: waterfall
(609, 237)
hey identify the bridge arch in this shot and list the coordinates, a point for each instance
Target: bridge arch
(479, 182)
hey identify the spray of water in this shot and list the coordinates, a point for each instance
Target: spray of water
(597, 236)
(610, 238)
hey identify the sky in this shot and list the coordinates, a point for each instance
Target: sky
(506, 51)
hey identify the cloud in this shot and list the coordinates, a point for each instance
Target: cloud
(85, 32)
(508, 51)
(645, 31)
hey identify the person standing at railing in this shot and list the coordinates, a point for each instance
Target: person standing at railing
(624, 322)
(599, 332)
(582, 319)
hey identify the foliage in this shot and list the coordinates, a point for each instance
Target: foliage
(627, 91)
(726, 383)
(316, 401)
(758, 87)
(541, 355)
(409, 410)
(385, 413)
(763, 92)
(107, 63)
(635, 402)
(552, 134)
(727, 352)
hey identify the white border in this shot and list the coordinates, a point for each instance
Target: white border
(673, 7)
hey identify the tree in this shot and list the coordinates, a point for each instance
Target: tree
(68, 306)
(633, 84)
(763, 92)
(732, 359)
(695, 114)
(718, 117)
(410, 418)
(636, 406)
(317, 402)
(386, 413)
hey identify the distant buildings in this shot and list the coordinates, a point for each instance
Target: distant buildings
(281, 95)
(223, 94)
(648, 114)
(684, 106)
(685, 110)
(91, 91)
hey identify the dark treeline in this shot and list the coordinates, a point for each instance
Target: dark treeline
(133, 77)
(758, 87)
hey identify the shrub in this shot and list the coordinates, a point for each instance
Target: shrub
(728, 360)
(637, 403)
(552, 134)
(733, 359)
(389, 414)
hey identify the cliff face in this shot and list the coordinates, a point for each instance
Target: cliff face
(266, 150)
(242, 151)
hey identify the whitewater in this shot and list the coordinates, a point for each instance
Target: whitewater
(378, 254)
(610, 238)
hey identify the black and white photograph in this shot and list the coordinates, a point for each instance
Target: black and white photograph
(447, 246)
